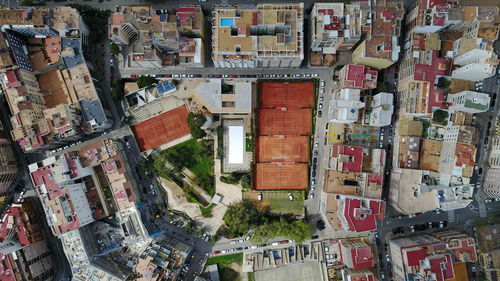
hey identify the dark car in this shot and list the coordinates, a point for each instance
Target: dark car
(320, 113)
(313, 174)
(314, 166)
(314, 237)
(315, 153)
(315, 160)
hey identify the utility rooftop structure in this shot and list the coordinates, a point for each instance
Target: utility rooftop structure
(266, 35)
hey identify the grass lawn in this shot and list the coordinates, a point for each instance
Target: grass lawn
(204, 165)
(197, 156)
(206, 212)
(229, 266)
(281, 204)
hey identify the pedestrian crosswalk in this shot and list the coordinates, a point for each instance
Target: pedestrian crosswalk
(451, 216)
(482, 210)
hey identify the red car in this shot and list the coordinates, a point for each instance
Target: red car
(216, 252)
(133, 76)
(167, 75)
(284, 242)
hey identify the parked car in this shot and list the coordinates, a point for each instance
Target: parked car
(259, 196)
(320, 106)
(320, 113)
(290, 196)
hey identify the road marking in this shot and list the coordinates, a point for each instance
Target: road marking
(451, 215)
(482, 210)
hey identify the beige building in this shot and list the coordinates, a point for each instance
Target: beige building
(412, 191)
(336, 27)
(60, 103)
(266, 35)
(8, 165)
(156, 40)
(225, 96)
(494, 157)
(380, 49)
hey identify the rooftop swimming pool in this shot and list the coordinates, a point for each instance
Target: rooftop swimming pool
(226, 22)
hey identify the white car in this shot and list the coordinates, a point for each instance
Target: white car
(320, 106)
(322, 83)
(316, 144)
(290, 196)
(259, 196)
(311, 195)
(441, 224)
(315, 75)
(224, 251)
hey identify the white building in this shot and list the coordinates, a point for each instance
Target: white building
(382, 109)
(494, 157)
(491, 185)
(476, 58)
(469, 101)
(345, 106)
(228, 96)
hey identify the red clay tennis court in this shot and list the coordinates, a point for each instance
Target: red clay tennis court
(161, 129)
(284, 122)
(286, 94)
(282, 149)
(279, 177)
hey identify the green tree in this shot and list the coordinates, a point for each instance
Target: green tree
(241, 217)
(195, 121)
(114, 49)
(146, 81)
(440, 116)
(246, 181)
(128, 120)
(443, 83)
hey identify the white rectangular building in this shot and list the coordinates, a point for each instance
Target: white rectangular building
(345, 106)
(382, 109)
(236, 151)
(469, 101)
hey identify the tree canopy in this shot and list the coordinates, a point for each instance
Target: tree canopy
(241, 217)
(195, 121)
(146, 81)
(440, 116)
(244, 216)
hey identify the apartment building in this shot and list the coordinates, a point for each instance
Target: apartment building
(418, 72)
(380, 49)
(336, 27)
(494, 156)
(33, 262)
(265, 35)
(413, 191)
(475, 59)
(156, 39)
(491, 184)
(357, 77)
(469, 101)
(8, 166)
(434, 16)
(84, 185)
(382, 108)
(434, 257)
(49, 88)
(24, 254)
(345, 107)
(488, 248)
